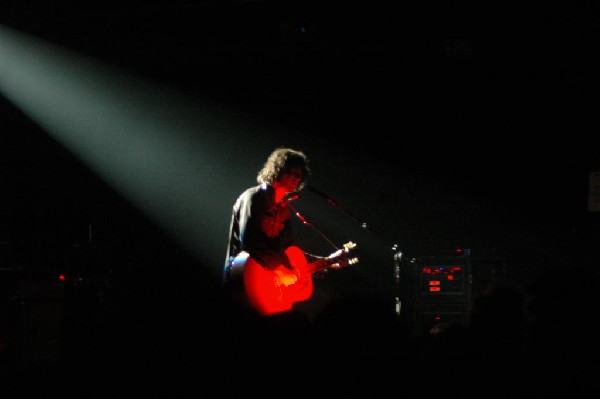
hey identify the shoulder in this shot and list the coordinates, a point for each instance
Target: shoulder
(253, 194)
(254, 191)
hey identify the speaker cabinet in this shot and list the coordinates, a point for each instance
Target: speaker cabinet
(440, 288)
(443, 290)
(434, 289)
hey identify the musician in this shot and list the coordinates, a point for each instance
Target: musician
(261, 224)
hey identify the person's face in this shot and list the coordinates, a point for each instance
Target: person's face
(291, 179)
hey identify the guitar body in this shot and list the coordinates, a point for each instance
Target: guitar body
(275, 290)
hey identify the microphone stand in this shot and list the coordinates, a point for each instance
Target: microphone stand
(362, 224)
(397, 254)
(312, 226)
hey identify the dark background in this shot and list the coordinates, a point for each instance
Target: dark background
(442, 125)
(448, 115)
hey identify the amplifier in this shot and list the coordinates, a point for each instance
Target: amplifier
(439, 288)
(443, 278)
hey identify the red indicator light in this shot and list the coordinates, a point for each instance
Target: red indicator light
(450, 277)
(434, 282)
(62, 277)
(434, 289)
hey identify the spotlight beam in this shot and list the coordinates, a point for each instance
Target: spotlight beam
(165, 150)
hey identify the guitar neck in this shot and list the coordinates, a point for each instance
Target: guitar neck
(321, 264)
(339, 257)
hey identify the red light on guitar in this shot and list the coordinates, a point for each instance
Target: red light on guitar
(434, 289)
(434, 282)
(275, 290)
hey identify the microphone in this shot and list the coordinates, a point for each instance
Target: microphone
(290, 196)
(321, 194)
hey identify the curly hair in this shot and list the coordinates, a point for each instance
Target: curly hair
(283, 160)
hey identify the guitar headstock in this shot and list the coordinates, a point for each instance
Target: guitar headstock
(340, 257)
(348, 246)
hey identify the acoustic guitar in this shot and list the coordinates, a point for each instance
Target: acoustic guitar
(275, 290)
